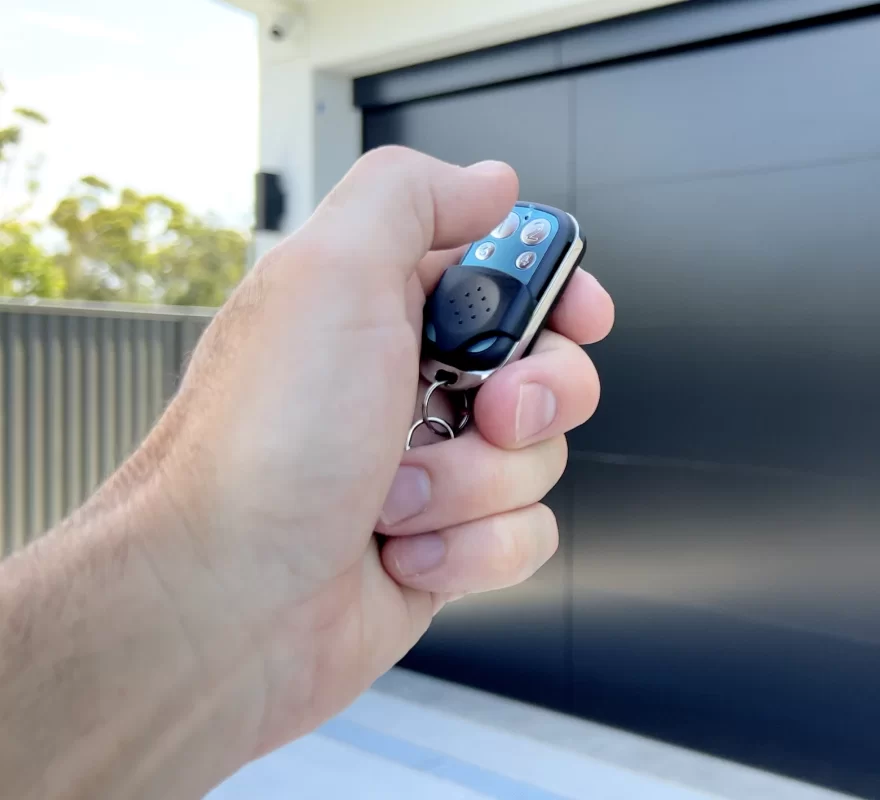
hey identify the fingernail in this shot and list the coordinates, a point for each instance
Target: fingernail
(535, 410)
(420, 554)
(409, 495)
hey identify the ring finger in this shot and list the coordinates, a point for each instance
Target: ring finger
(478, 556)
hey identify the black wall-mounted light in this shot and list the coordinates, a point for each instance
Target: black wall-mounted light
(270, 202)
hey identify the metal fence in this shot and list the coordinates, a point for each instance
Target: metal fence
(80, 385)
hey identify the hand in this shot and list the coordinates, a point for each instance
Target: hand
(514, 457)
(284, 447)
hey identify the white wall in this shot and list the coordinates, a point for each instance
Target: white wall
(364, 36)
(310, 130)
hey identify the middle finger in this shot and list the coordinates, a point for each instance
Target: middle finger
(451, 482)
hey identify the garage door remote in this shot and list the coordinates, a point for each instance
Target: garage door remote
(488, 310)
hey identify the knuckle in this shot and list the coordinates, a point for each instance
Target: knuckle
(403, 174)
(557, 458)
(548, 526)
(389, 156)
(514, 548)
(497, 482)
(590, 389)
(552, 458)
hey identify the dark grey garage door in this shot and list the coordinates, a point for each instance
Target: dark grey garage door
(718, 583)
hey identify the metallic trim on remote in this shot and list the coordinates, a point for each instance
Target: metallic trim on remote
(465, 379)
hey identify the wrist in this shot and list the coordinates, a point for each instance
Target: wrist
(161, 697)
(227, 576)
(217, 693)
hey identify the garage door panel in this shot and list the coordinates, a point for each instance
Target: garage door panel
(526, 125)
(747, 318)
(794, 100)
(739, 396)
(797, 248)
(713, 609)
(723, 503)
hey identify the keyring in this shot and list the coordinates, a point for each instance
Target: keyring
(428, 420)
(445, 427)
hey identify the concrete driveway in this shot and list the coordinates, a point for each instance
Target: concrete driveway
(416, 738)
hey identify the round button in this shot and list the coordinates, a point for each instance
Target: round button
(535, 232)
(484, 251)
(525, 260)
(507, 227)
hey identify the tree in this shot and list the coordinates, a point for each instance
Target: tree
(25, 270)
(144, 248)
(121, 246)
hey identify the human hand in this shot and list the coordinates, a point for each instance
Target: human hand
(284, 448)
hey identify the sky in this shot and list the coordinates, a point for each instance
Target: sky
(160, 96)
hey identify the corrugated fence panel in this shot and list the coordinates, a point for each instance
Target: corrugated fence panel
(53, 458)
(80, 386)
(35, 423)
(14, 456)
(3, 339)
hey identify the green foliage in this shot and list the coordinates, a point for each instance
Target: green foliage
(30, 114)
(95, 183)
(124, 247)
(25, 269)
(144, 249)
(8, 136)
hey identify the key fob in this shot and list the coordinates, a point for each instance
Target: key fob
(488, 310)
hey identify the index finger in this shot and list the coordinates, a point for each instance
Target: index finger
(585, 313)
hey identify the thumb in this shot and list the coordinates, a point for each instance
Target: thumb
(396, 204)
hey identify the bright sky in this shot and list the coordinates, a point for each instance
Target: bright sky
(158, 95)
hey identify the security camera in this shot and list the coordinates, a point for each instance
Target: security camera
(280, 27)
(288, 23)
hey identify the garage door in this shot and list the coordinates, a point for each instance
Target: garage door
(718, 583)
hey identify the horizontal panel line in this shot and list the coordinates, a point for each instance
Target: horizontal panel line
(792, 166)
(696, 465)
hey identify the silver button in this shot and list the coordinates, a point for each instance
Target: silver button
(484, 251)
(535, 232)
(507, 227)
(525, 260)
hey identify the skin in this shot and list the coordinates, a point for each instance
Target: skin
(223, 593)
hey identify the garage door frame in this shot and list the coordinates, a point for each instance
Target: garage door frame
(664, 31)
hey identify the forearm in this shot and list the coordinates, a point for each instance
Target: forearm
(110, 685)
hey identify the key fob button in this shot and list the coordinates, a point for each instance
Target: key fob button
(535, 232)
(507, 227)
(484, 251)
(525, 260)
